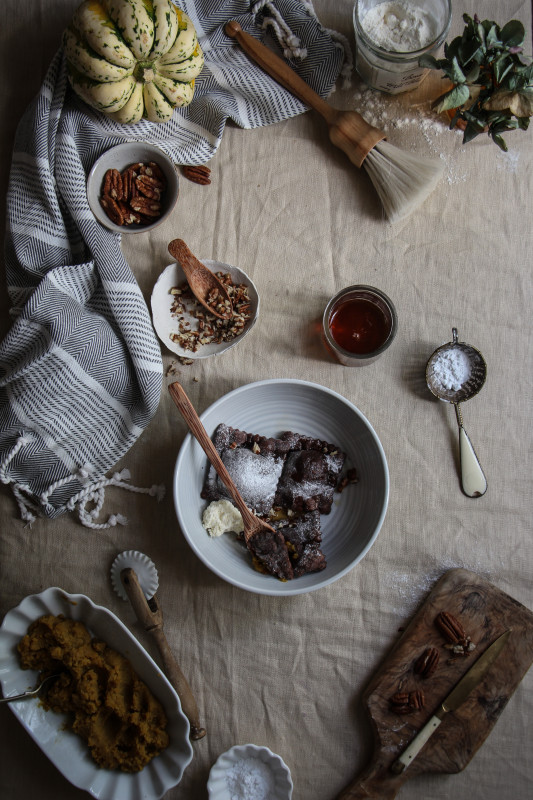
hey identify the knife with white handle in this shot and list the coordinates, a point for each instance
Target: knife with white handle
(456, 698)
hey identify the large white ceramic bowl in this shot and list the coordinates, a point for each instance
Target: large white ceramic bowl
(278, 772)
(270, 407)
(49, 730)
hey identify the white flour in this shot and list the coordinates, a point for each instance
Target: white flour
(390, 115)
(400, 26)
(451, 370)
(250, 779)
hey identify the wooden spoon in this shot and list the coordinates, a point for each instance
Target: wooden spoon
(150, 615)
(348, 130)
(205, 286)
(263, 542)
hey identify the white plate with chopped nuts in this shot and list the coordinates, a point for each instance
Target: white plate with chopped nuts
(186, 328)
(138, 208)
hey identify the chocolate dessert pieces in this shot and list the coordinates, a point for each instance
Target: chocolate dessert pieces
(293, 473)
(310, 474)
(303, 537)
(255, 469)
(270, 553)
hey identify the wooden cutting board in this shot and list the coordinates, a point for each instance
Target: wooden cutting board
(485, 612)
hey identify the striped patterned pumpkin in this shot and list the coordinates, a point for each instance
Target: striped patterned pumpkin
(133, 58)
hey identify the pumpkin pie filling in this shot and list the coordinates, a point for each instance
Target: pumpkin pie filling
(109, 706)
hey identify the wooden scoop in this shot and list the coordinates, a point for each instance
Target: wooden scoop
(263, 542)
(205, 286)
(150, 616)
(348, 130)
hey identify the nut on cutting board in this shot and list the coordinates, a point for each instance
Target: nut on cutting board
(150, 615)
(484, 612)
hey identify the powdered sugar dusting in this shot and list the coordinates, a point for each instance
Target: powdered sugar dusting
(255, 476)
(250, 779)
(411, 591)
(450, 370)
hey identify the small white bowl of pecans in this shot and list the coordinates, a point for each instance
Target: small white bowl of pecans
(186, 327)
(132, 187)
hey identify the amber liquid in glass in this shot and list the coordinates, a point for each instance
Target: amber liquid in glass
(359, 325)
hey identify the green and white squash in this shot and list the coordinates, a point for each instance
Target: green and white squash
(133, 58)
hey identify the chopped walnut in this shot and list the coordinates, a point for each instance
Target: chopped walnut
(208, 328)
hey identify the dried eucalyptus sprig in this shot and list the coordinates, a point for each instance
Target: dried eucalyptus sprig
(492, 86)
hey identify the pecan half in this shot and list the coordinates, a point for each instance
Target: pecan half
(149, 186)
(129, 186)
(426, 664)
(451, 628)
(112, 186)
(146, 207)
(113, 209)
(407, 702)
(198, 174)
(153, 170)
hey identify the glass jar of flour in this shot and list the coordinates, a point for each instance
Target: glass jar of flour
(390, 37)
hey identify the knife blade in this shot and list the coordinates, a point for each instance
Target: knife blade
(453, 701)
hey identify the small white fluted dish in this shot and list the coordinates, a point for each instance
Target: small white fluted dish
(49, 729)
(217, 785)
(166, 324)
(144, 569)
(268, 408)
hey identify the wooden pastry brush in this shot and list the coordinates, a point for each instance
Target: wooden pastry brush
(402, 180)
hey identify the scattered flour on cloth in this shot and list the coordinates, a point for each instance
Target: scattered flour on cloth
(390, 115)
(412, 589)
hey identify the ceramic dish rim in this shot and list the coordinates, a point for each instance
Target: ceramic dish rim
(288, 588)
(214, 265)
(242, 749)
(49, 600)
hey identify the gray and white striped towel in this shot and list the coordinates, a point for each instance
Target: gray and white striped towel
(80, 369)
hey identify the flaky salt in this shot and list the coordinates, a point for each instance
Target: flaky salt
(250, 779)
(450, 370)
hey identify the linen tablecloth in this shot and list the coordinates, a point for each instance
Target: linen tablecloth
(289, 209)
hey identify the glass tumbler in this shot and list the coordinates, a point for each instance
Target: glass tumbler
(359, 324)
(395, 69)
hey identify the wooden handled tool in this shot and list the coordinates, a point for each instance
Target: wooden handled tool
(402, 180)
(263, 542)
(485, 612)
(347, 129)
(150, 616)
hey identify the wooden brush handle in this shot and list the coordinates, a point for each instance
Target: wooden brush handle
(279, 70)
(153, 624)
(347, 129)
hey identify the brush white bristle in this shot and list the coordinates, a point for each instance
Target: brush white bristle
(401, 179)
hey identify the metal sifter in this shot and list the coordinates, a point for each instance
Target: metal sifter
(455, 372)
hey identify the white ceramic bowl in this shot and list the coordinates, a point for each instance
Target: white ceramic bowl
(269, 408)
(217, 785)
(48, 729)
(120, 157)
(165, 324)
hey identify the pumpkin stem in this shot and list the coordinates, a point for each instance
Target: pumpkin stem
(144, 71)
